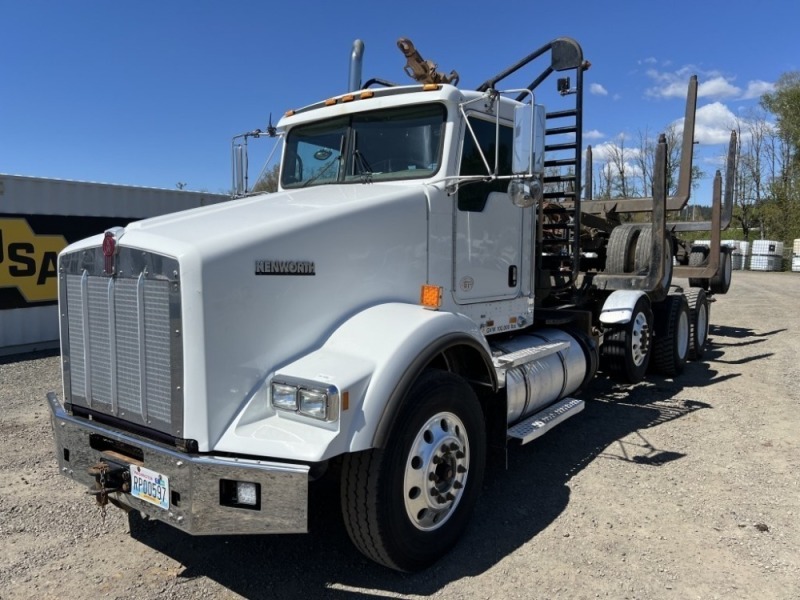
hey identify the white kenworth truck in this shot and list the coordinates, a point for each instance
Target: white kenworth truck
(431, 279)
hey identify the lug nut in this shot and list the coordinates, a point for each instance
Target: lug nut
(461, 469)
(460, 454)
(458, 485)
(453, 446)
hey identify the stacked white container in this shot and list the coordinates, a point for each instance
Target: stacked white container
(796, 256)
(738, 254)
(737, 264)
(767, 256)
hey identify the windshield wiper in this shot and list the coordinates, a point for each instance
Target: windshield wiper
(362, 165)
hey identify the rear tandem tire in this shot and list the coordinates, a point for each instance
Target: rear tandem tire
(406, 504)
(699, 314)
(626, 349)
(671, 339)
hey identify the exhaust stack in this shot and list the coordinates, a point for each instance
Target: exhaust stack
(356, 61)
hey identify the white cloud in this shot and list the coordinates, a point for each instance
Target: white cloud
(711, 84)
(605, 151)
(598, 90)
(717, 87)
(594, 134)
(713, 124)
(757, 88)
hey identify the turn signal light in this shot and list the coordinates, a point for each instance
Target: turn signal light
(431, 296)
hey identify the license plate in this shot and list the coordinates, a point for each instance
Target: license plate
(150, 486)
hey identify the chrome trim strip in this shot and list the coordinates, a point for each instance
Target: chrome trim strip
(142, 349)
(112, 344)
(87, 366)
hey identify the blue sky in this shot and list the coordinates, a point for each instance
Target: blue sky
(150, 93)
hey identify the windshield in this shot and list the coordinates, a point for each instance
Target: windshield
(396, 143)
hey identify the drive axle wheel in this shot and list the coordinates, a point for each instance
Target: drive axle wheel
(698, 321)
(406, 504)
(626, 349)
(671, 340)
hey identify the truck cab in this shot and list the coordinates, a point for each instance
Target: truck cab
(412, 295)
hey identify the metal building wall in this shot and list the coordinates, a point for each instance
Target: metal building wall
(40, 216)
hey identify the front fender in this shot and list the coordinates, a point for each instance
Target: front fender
(372, 359)
(375, 356)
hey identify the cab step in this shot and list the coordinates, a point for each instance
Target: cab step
(540, 423)
(526, 355)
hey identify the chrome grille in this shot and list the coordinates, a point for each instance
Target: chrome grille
(121, 337)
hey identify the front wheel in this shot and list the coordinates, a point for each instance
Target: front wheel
(405, 505)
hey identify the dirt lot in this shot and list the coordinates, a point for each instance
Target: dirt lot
(685, 488)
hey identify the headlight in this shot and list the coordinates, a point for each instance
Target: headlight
(314, 403)
(284, 396)
(307, 398)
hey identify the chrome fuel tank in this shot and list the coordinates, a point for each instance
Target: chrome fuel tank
(541, 382)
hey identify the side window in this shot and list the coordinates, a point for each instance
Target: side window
(472, 196)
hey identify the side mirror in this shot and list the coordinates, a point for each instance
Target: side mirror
(529, 130)
(528, 155)
(239, 169)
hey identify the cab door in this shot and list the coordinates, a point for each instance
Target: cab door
(488, 236)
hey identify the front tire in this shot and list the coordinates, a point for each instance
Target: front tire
(405, 505)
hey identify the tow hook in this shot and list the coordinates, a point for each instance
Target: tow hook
(108, 479)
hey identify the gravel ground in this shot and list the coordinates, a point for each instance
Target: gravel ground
(686, 488)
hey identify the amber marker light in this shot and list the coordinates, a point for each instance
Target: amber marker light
(330, 101)
(430, 87)
(365, 95)
(431, 296)
(348, 98)
(345, 400)
(288, 113)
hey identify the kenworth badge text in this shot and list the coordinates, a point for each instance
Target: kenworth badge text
(432, 278)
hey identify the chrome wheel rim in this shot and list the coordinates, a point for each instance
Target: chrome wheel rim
(436, 471)
(702, 326)
(683, 335)
(640, 339)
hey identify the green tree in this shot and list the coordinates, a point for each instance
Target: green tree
(784, 103)
(781, 210)
(268, 182)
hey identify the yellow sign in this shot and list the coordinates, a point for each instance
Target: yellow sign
(29, 262)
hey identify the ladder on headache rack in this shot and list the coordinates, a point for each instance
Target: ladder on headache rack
(559, 219)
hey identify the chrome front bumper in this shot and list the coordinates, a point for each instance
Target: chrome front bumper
(195, 505)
